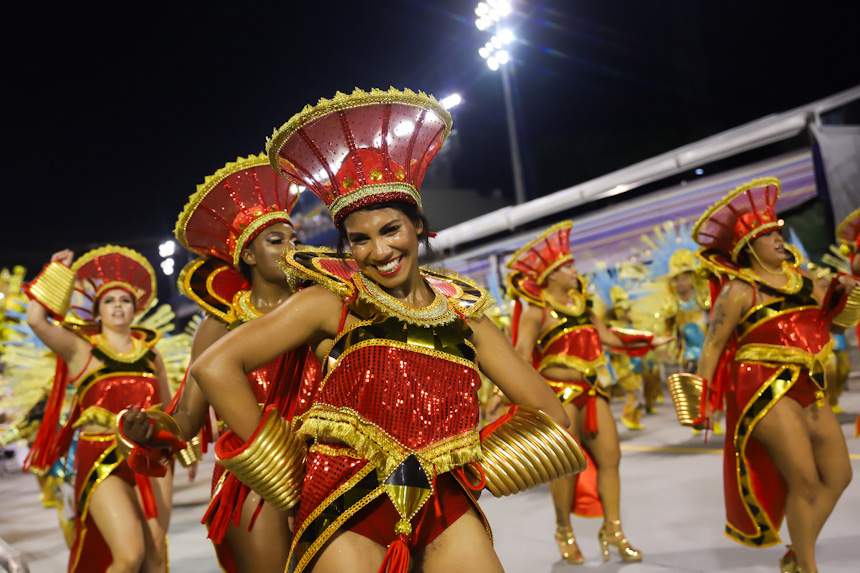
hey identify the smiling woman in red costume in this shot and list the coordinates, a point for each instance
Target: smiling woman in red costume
(785, 455)
(848, 234)
(560, 333)
(122, 517)
(397, 414)
(239, 223)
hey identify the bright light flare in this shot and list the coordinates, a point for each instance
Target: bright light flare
(484, 52)
(506, 35)
(496, 42)
(405, 127)
(503, 57)
(483, 23)
(482, 10)
(166, 249)
(493, 63)
(167, 266)
(451, 101)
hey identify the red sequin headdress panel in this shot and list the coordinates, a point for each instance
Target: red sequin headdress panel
(739, 217)
(363, 148)
(106, 268)
(541, 256)
(232, 206)
(848, 233)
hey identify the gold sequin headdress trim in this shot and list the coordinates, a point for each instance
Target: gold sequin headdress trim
(358, 98)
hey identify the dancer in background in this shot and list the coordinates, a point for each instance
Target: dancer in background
(239, 223)
(561, 335)
(785, 455)
(848, 235)
(397, 416)
(122, 517)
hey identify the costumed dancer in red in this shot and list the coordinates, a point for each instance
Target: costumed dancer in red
(562, 336)
(239, 223)
(122, 517)
(397, 416)
(785, 454)
(848, 234)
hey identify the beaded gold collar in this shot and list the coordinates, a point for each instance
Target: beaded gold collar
(138, 351)
(793, 286)
(243, 307)
(437, 313)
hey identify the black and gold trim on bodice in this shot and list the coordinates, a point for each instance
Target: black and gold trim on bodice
(567, 323)
(450, 339)
(780, 304)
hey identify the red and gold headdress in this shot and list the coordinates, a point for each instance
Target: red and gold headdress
(744, 214)
(232, 206)
(848, 233)
(538, 258)
(110, 267)
(363, 148)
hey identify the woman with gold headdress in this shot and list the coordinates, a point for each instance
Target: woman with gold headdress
(396, 418)
(563, 337)
(785, 455)
(239, 223)
(122, 517)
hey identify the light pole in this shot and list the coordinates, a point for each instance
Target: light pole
(491, 17)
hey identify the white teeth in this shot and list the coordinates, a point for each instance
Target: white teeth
(388, 267)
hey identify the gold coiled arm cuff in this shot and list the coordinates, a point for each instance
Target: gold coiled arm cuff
(52, 288)
(526, 450)
(271, 462)
(686, 390)
(192, 454)
(162, 421)
(849, 316)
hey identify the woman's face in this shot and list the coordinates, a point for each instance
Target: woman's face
(566, 276)
(770, 248)
(384, 243)
(116, 308)
(683, 283)
(264, 252)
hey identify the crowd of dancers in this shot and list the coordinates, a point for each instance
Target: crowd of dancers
(348, 428)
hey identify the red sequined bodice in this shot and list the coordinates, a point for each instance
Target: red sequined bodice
(572, 342)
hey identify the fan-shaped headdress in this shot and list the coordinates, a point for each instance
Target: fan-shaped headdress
(110, 267)
(232, 206)
(533, 262)
(848, 233)
(744, 214)
(363, 148)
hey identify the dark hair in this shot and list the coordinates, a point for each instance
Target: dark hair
(744, 256)
(414, 214)
(245, 270)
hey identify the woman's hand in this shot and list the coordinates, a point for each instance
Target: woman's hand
(661, 340)
(66, 256)
(137, 426)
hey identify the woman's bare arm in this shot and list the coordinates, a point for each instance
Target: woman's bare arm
(309, 316)
(528, 331)
(507, 369)
(163, 384)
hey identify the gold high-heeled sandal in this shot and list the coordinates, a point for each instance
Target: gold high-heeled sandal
(617, 540)
(567, 546)
(788, 562)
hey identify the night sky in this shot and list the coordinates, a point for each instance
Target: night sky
(114, 112)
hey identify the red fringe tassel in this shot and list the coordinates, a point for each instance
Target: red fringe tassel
(397, 557)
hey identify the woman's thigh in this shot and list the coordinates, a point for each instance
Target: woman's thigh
(464, 545)
(604, 446)
(117, 514)
(828, 446)
(784, 433)
(348, 551)
(265, 548)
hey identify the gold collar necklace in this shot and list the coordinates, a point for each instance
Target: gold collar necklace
(137, 352)
(437, 313)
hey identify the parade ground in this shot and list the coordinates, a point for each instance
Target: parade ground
(671, 505)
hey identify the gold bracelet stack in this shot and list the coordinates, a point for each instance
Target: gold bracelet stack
(686, 390)
(528, 450)
(53, 288)
(191, 454)
(849, 317)
(163, 421)
(272, 464)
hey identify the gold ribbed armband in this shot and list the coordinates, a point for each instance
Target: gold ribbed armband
(527, 450)
(192, 454)
(272, 463)
(686, 390)
(849, 317)
(53, 288)
(163, 421)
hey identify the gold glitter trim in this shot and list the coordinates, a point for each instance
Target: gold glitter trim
(209, 183)
(296, 271)
(437, 313)
(467, 306)
(84, 504)
(578, 296)
(542, 342)
(110, 375)
(242, 307)
(542, 277)
(759, 231)
(366, 191)
(138, 351)
(255, 225)
(96, 415)
(358, 98)
(587, 367)
(774, 314)
(335, 451)
(778, 354)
